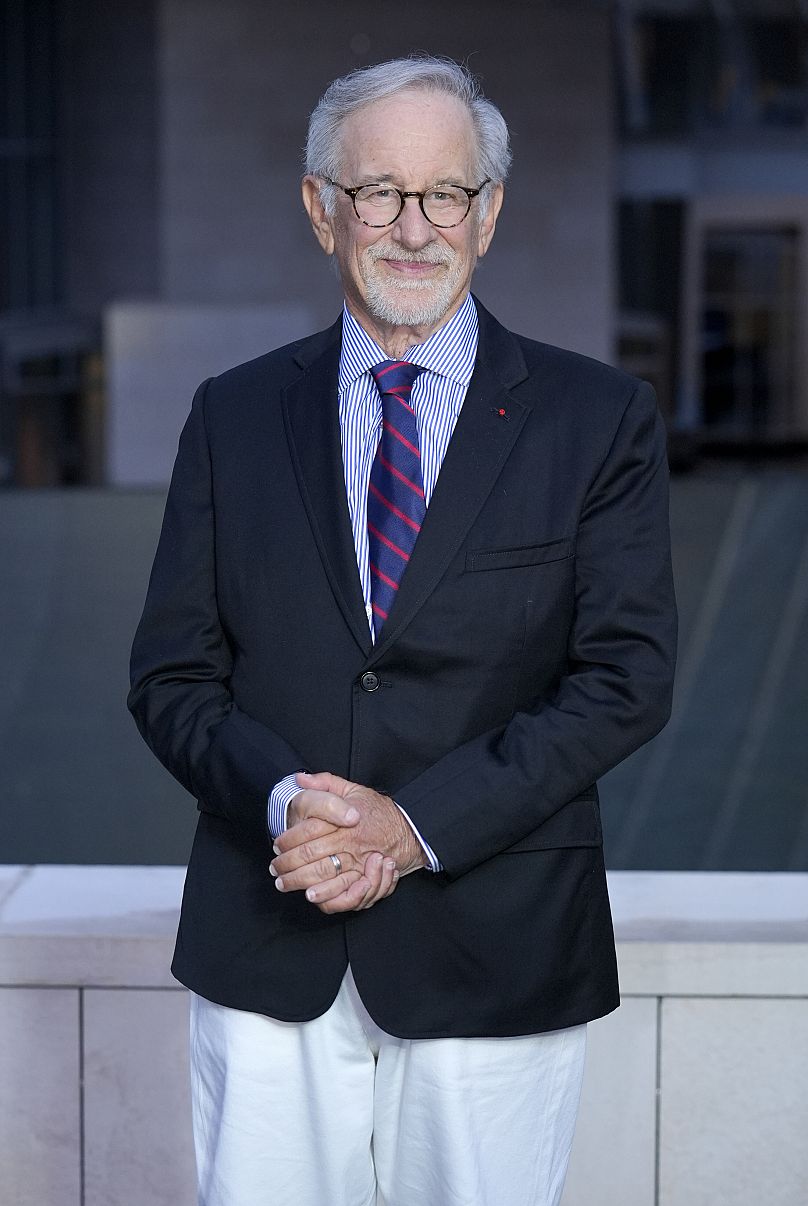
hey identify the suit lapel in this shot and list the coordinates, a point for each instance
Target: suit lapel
(478, 449)
(311, 417)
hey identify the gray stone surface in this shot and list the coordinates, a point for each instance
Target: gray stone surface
(680, 933)
(729, 1080)
(138, 1147)
(40, 1162)
(734, 1111)
(612, 1160)
(90, 926)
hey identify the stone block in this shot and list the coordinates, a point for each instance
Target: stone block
(138, 1144)
(612, 1160)
(40, 1162)
(734, 1110)
(90, 926)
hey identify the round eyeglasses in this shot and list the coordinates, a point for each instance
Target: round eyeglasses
(444, 205)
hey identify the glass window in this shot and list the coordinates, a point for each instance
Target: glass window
(747, 331)
(27, 166)
(779, 53)
(683, 73)
(650, 235)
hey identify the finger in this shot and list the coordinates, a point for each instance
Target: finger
(348, 901)
(386, 885)
(320, 802)
(325, 781)
(331, 889)
(373, 872)
(367, 891)
(307, 830)
(318, 871)
(312, 852)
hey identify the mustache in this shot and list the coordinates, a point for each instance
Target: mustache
(431, 254)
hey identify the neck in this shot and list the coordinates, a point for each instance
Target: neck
(395, 340)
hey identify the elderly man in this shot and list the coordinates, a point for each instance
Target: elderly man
(412, 597)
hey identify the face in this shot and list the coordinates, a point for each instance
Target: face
(410, 274)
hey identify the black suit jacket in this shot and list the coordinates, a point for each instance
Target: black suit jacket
(529, 650)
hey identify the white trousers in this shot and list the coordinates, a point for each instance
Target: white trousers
(335, 1112)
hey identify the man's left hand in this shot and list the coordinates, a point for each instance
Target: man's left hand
(304, 864)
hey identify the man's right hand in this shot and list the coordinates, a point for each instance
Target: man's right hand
(315, 814)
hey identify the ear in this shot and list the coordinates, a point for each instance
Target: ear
(320, 221)
(489, 222)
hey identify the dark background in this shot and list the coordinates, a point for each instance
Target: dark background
(657, 216)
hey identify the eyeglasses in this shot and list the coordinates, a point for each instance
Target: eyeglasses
(379, 205)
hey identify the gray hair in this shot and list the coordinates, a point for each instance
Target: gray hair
(424, 73)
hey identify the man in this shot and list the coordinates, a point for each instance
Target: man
(427, 561)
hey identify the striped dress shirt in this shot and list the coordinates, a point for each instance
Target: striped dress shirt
(447, 358)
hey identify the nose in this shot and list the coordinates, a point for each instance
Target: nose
(411, 228)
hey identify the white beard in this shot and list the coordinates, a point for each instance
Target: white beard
(410, 302)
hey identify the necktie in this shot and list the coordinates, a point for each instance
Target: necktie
(396, 506)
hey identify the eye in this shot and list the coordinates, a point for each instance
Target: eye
(377, 193)
(444, 198)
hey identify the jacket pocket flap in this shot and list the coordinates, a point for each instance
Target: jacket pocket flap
(576, 824)
(536, 554)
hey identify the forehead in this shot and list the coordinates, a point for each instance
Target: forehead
(411, 138)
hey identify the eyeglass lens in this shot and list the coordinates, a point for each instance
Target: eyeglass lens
(378, 205)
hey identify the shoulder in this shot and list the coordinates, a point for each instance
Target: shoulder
(583, 391)
(575, 370)
(534, 368)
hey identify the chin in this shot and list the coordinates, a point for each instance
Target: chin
(409, 304)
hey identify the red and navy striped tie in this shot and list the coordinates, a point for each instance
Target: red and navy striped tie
(396, 505)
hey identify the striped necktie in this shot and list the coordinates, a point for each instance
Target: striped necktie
(396, 505)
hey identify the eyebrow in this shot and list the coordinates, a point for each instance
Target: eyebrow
(387, 178)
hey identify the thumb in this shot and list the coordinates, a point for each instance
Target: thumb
(335, 786)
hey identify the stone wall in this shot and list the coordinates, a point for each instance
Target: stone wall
(693, 1094)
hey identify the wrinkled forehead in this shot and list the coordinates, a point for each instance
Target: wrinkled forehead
(413, 138)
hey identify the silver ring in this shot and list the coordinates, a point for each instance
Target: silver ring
(335, 859)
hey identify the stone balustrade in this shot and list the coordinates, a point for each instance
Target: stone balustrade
(694, 1093)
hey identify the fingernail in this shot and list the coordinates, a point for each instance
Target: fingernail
(275, 849)
(304, 774)
(311, 894)
(390, 865)
(272, 870)
(396, 876)
(279, 884)
(351, 815)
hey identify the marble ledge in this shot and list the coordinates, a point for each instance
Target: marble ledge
(679, 933)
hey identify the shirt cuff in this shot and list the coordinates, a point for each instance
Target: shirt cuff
(279, 800)
(434, 862)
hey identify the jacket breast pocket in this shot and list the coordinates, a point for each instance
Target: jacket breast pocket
(514, 558)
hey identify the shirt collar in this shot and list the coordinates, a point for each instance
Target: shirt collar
(450, 351)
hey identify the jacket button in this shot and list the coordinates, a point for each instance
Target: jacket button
(370, 681)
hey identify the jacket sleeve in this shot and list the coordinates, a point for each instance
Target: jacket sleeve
(181, 661)
(616, 692)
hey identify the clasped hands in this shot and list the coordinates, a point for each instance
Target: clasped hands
(364, 829)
